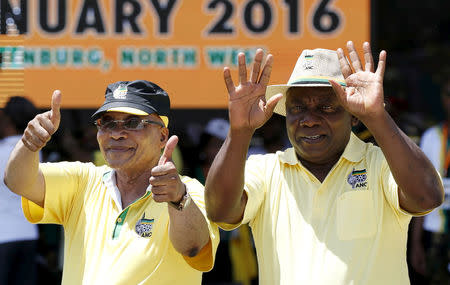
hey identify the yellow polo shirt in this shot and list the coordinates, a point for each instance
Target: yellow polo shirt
(347, 230)
(107, 245)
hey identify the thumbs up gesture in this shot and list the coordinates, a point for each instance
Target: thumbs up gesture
(40, 130)
(165, 181)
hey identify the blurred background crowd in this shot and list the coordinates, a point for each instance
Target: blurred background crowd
(417, 94)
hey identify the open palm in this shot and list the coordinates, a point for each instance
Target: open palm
(247, 106)
(363, 96)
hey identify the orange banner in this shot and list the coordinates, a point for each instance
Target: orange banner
(79, 46)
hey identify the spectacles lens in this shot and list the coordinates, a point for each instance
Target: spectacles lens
(133, 124)
(109, 125)
(105, 123)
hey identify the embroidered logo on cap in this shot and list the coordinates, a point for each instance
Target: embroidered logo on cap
(144, 227)
(308, 62)
(357, 178)
(120, 92)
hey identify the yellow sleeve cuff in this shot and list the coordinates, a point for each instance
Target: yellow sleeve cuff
(32, 212)
(203, 261)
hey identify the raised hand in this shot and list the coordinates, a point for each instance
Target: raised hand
(40, 130)
(165, 181)
(247, 106)
(363, 96)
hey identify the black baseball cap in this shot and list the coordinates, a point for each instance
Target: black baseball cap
(139, 97)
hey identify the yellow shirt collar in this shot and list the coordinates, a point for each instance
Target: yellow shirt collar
(354, 152)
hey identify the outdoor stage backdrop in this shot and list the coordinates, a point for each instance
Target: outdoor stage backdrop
(79, 46)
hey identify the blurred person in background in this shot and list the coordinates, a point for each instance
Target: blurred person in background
(271, 137)
(430, 235)
(211, 139)
(235, 260)
(18, 237)
(134, 221)
(81, 145)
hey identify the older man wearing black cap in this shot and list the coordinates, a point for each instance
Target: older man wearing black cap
(135, 221)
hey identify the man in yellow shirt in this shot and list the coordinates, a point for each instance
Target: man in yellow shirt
(331, 209)
(135, 221)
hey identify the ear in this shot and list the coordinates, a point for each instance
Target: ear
(164, 136)
(354, 121)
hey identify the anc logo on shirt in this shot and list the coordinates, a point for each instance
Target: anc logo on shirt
(144, 227)
(357, 178)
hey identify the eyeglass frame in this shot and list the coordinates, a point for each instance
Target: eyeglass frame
(141, 125)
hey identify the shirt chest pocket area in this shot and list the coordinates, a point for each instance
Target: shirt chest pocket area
(355, 215)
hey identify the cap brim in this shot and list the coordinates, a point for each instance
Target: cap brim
(273, 90)
(128, 108)
(123, 107)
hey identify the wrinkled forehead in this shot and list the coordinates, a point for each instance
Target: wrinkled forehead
(310, 94)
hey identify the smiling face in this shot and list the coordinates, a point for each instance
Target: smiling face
(137, 150)
(318, 126)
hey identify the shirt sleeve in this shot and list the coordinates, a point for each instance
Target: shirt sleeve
(254, 187)
(62, 184)
(204, 260)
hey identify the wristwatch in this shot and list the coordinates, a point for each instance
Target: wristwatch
(183, 203)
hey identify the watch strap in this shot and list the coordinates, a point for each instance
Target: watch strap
(183, 203)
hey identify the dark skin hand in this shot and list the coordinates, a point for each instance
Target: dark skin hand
(363, 97)
(248, 110)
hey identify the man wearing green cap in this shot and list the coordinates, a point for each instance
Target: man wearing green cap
(331, 209)
(135, 221)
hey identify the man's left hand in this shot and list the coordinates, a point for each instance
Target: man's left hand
(165, 181)
(363, 97)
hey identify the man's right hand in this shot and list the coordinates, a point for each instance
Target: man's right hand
(248, 109)
(40, 130)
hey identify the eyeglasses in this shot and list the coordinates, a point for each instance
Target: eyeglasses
(130, 124)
